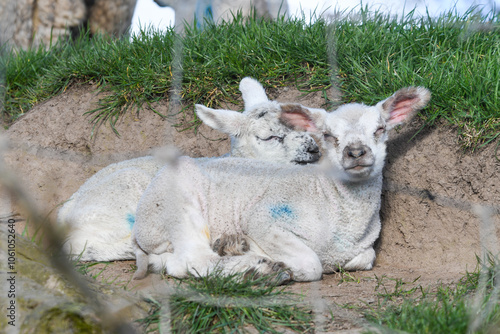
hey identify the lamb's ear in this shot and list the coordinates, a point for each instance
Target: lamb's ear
(403, 105)
(300, 118)
(227, 121)
(252, 92)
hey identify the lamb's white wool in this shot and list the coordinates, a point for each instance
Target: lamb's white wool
(303, 218)
(100, 215)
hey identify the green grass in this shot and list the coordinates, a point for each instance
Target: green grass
(228, 304)
(346, 276)
(35, 232)
(400, 288)
(456, 56)
(470, 306)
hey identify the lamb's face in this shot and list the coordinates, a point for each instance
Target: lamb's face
(355, 141)
(355, 135)
(267, 138)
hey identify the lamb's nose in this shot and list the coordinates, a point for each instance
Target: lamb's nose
(355, 151)
(313, 149)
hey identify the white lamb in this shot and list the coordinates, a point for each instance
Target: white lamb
(189, 11)
(261, 217)
(100, 215)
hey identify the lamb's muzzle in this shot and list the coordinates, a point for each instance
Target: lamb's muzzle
(358, 160)
(309, 154)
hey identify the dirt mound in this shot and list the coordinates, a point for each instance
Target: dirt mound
(54, 149)
(429, 205)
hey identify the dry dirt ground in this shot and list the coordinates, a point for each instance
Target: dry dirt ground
(433, 190)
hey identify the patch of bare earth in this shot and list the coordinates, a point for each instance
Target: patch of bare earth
(430, 229)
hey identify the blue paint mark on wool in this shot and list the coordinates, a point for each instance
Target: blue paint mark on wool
(130, 220)
(208, 12)
(282, 211)
(203, 12)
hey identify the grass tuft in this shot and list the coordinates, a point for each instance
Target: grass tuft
(232, 303)
(471, 306)
(399, 290)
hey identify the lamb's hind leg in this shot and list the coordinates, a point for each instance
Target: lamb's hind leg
(363, 261)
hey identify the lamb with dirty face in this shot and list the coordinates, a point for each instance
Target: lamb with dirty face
(100, 215)
(300, 221)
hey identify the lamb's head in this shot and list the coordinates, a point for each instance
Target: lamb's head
(355, 135)
(259, 132)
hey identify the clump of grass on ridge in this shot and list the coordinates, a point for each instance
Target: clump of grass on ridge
(135, 72)
(232, 303)
(472, 306)
(455, 56)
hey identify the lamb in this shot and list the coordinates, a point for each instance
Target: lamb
(238, 215)
(198, 11)
(100, 215)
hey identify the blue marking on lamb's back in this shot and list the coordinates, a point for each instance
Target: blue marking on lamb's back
(130, 220)
(282, 212)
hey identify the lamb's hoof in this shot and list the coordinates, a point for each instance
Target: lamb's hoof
(231, 245)
(277, 272)
(284, 275)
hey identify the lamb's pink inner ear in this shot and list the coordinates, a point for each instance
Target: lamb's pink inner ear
(297, 118)
(402, 110)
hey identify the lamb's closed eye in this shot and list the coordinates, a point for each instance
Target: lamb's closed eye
(275, 138)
